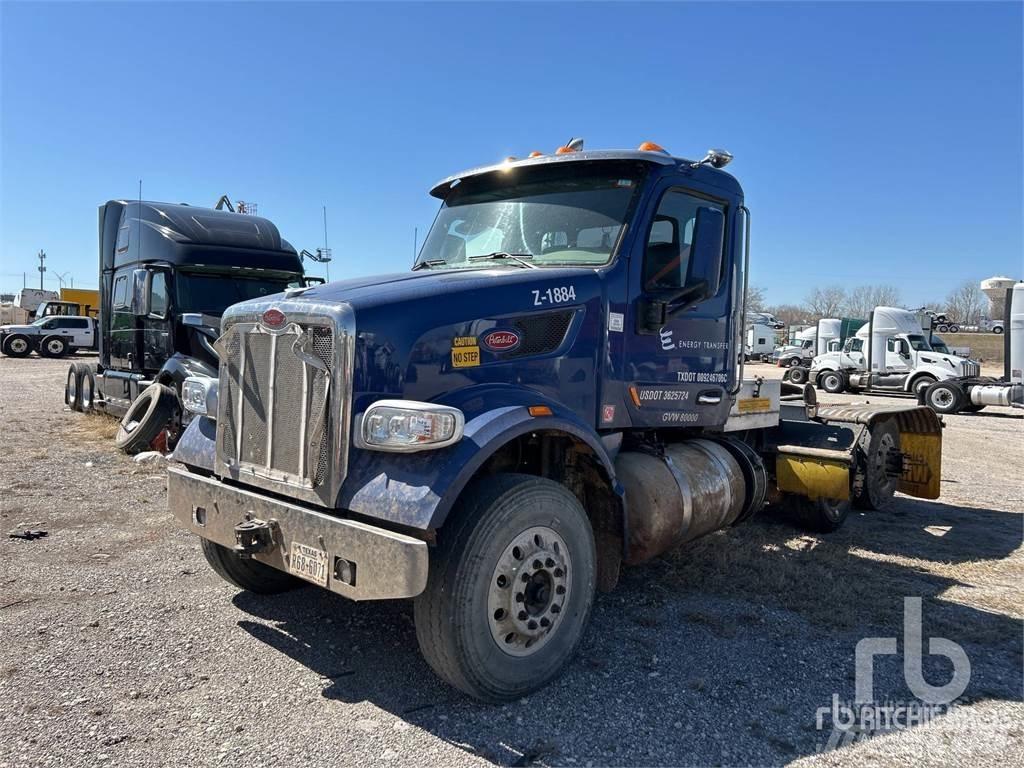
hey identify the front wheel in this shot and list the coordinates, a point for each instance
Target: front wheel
(799, 375)
(17, 345)
(921, 383)
(832, 382)
(510, 587)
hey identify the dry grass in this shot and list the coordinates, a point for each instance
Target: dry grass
(91, 426)
(858, 576)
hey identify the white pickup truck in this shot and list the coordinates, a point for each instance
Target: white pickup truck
(902, 358)
(53, 336)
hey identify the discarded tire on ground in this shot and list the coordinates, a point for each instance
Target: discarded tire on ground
(146, 418)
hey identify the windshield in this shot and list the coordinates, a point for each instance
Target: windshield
(919, 343)
(569, 214)
(211, 294)
(938, 345)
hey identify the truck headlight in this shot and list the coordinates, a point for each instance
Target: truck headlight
(407, 425)
(199, 395)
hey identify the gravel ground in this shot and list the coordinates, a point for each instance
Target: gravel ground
(122, 647)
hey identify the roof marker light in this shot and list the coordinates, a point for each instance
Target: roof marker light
(510, 159)
(650, 146)
(536, 153)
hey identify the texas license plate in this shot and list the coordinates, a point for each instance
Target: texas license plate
(308, 563)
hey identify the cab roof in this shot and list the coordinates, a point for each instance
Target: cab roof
(663, 159)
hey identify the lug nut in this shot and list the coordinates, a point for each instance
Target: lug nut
(549, 563)
(522, 615)
(556, 608)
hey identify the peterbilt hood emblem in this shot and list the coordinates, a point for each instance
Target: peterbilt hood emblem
(273, 318)
(501, 341)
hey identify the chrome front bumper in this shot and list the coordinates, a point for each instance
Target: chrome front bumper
(387, 564)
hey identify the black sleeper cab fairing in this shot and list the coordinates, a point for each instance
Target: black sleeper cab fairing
(167, 272)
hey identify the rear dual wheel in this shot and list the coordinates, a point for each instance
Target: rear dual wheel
(510, 588)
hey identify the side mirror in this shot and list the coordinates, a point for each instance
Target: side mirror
(704, 273)
(141, 279)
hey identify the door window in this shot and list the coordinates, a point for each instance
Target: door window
(121, 292)
(668, 244)
(158, 295)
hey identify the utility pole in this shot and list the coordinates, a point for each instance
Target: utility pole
(42, 269)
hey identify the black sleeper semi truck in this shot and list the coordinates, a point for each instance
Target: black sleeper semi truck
(556, 389)
(167, 273)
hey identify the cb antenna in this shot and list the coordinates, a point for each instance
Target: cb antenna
(324, 254)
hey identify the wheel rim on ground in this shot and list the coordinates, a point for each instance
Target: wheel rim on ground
(18, 346)
(530, 585)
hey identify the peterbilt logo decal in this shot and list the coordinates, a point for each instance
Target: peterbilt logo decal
(501, 341)
(273, 318)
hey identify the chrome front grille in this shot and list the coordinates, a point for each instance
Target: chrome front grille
(971, 369)
(282, 422)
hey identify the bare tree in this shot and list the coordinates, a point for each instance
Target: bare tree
(827, 301)
(755, 298)
(864, 298)
(964, 305)
(791, 314)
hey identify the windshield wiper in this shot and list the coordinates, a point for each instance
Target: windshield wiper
(517, 258)
(427, 263)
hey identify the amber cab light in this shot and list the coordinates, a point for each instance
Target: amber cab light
(650, 146)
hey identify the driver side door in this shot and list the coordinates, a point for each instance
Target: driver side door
(677, 374)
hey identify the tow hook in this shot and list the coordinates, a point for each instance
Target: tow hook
(254, 536)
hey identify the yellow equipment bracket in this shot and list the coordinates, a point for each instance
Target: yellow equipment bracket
(813, 477)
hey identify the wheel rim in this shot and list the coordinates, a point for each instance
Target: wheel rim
(54, 347)
(833, 508)
(18, 346)
(530, 585)
(72, 389)
(921, 385)
(941, 398)
(831, 381)
(86, 393)
(886, 447)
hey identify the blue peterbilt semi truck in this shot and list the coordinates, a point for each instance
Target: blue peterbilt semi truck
(554, 390)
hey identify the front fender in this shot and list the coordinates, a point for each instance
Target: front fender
(179, 367)
(418, 490)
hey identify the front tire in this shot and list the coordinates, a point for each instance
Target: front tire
(799, 375)
(832, 382)
(17, 345)
(510, 588)
(921, 383)
(246, 573)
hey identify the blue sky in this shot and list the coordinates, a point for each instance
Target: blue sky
(876, 142)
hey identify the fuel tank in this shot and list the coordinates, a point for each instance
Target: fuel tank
(695, 488)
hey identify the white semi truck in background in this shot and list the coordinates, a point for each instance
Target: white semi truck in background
(818, 339)
(890, 353)
(973, 392)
